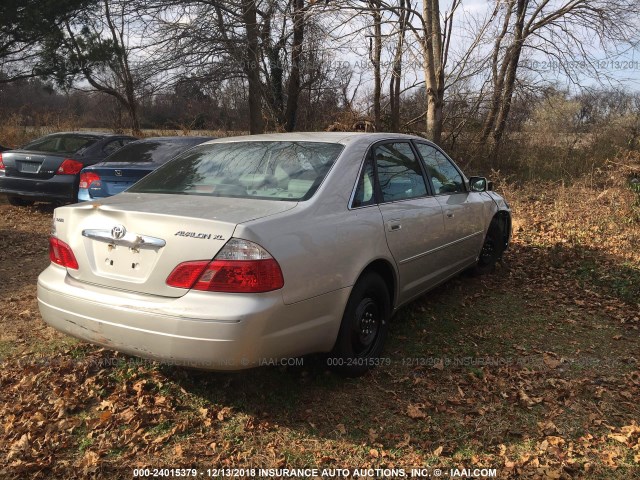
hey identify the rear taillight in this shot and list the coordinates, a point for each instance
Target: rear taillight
(69, 167)
(1, 163)
(61, 254)
(87, 178)
(186, 274)
(240, 267)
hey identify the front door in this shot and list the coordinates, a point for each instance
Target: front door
(413, 221)
(463, 210)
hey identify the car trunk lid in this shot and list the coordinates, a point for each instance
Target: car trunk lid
(25, 164)
(133, 242)
(117, 177)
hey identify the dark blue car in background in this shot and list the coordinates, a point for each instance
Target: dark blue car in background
(47, 169)
(129, 164)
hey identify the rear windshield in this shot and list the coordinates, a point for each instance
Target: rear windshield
(151, 151)
(61, 143)
(268, 170)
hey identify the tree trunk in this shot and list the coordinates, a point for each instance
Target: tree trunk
(498, 74)
(293, 91)
(510, 76)
(433, 69)
(434, 117)
(252, 67)
(396, 73)
(277, 81)
(133, 117)
(376, 53)
(131, 103)
(505, 101)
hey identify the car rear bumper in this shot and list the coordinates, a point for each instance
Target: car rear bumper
(58, 187)
(205, 330)
(83, 195)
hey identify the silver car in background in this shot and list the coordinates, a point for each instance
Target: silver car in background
(246, 250)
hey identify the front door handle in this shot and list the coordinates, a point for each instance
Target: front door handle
(450, 215)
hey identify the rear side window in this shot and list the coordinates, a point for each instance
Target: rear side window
(443, 174)
(399, 172)
(113, 146)
(266, 170)
(61, 143)
(364, 194)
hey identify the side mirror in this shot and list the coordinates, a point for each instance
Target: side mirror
(479, 184)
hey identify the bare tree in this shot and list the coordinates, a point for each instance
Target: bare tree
(96, 47)
(251, 64)
(295, 83)
(568, 33)
(433, 30)
(375, 55)
(262, 41)
(396, 72)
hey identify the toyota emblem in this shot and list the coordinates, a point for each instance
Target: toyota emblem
(118, 231)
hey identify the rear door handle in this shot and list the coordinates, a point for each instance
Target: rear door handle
(450, 214)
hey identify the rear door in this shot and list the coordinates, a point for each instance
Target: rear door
(463, 210)
(412, 218)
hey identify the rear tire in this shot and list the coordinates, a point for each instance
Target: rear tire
(364, 327)
(20, 202)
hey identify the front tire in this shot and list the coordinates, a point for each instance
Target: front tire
(491, 252)
(364, 327)
(20, 202)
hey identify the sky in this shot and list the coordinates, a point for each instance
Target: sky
(617, 67)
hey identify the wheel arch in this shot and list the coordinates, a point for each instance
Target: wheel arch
(387, 272)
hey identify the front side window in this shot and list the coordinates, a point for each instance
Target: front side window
(266, 170)
(443, 174)
(399, 172)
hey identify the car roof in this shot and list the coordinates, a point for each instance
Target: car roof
(329, 137)
(90, 134)
(175, 139)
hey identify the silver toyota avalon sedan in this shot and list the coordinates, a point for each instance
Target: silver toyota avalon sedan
(248, 249)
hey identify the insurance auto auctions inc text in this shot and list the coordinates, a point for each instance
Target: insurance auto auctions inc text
(315, 473)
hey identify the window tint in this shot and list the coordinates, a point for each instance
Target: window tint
(266, 170)
(61, 143)
(364, 191)
(443, 174)
(399, 172)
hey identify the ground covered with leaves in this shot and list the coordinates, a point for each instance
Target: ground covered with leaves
(533, 370)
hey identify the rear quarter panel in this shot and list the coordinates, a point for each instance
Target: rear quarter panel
(321, 245)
